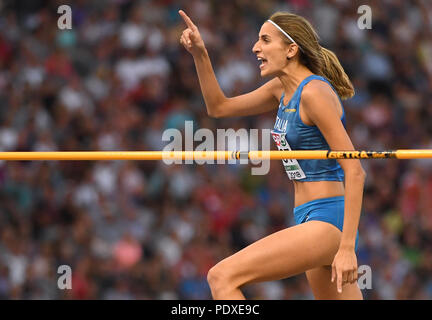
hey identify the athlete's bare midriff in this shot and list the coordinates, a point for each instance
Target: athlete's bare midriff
(312, 190)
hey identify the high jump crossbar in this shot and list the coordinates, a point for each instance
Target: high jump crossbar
(215, 155)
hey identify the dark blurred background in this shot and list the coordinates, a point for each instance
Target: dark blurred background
(147, 230)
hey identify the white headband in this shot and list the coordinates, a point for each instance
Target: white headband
(286, 34)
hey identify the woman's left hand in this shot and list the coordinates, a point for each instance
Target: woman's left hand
(344, 268)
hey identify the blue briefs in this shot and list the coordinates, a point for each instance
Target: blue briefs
(329, 210)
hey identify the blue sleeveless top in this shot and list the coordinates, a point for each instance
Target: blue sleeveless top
(303, 137)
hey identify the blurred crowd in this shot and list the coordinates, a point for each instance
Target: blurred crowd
(148, 230)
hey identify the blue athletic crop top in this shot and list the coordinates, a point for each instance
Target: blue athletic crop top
(303, 137)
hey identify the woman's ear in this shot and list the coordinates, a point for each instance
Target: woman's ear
(290, 52)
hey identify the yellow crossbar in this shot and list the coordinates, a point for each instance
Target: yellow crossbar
(215, 155)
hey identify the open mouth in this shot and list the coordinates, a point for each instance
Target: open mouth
(263, 62)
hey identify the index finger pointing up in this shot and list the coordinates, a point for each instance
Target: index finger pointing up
(187, 20)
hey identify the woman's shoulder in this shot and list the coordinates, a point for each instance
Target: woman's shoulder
(318, 95)
(318, 88)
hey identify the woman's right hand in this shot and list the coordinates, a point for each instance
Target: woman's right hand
(191, 38)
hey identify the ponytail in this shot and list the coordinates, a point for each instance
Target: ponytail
(334, 72)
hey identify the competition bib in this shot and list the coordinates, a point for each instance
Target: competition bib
(292, 167)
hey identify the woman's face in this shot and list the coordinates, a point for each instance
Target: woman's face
(271, 50)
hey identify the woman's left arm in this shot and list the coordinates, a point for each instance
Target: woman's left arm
(320, 107)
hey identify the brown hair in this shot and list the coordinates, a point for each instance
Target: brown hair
(319, 60)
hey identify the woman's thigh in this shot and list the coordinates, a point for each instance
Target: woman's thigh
(282, 254)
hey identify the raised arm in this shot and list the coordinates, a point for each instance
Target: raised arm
(218, 105)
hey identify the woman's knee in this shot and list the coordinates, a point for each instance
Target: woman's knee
(215, 276)
(223, 283)
(219, 277)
